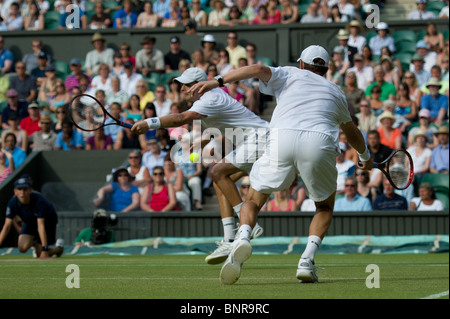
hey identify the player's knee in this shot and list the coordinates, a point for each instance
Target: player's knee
(22, 248)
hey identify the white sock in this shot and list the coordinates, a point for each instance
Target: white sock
(228, 228)
(311, 247)
(237, 209)
(244, 232)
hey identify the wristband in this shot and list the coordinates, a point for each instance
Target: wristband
(365, 156)
(44, 248)
(153, 122)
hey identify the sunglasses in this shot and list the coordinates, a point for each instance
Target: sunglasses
(158, 174)
(361, 174)
(350, 185)
(133, 157)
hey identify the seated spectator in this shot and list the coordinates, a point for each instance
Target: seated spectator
(100, 19)
(124, 51)
(173, 58)
(224, 66)
(421, 13)
(389, 136)
(391, 73)
(14, 21)
(274, 13)
(6, 57)
(61, 98)
(149, 59)
(389, 200)
(388, 90)
(433, 38)
(99, 141)
(112, 130)
(129, 79)
(417, 68)
(198, 60)
(404, 106)
(363, 187)
(400, 121)
(174, 94)
(421, 154)
(10, 146)
(413, 85)
(117, 69)
(426, 201)
(378, 151)
(133, 111)
(102, 81)
(367, 121)
(352, 201)
(364, 74)
(123, 195)
(39, 72)
(24, 84)
(125, 17)
(138, 171)
(355, 38)
(289, 12)
(345, 168)
(444, 12)
(313, 15)
(218, 14)
(99, 56)
(429, 57)
(435, 102)
(62, 114)
(35, 19)
(20, 108)
(43, 140)
(31, 123)
(5, 170)
(158, 196)
(352, 92)
(174, 175)
(147, 18)
(439, 156)
(424, 126)
(382, 39)
(162, 103)
(282, 202)
(172, 18)
(21, 135)
(71, 20)
(47, 90)
(145, 95)
(342, 64)
(154, 156)
(333, 73)
(128, 140)
(231, 89)
(69, 139)
(73, 80)
(116, 94)
(436, 72)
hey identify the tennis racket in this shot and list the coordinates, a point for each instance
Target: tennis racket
(88, 114)
(398, 169)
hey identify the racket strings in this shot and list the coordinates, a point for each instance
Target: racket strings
(399, 169)
(86, 113)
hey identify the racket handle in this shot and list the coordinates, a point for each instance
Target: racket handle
(127, 125)
(374, 164)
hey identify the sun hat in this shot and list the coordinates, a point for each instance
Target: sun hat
(421, 133)
(343, 34)
(434, 82)
(387, 115)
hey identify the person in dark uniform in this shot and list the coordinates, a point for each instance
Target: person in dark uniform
(39, 221)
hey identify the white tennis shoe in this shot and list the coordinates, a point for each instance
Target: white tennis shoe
(256, 231)
(306, 271)
(220, 254)
(231, 270)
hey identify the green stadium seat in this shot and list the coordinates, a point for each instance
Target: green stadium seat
(165, 77)
(406, 47)
(443, 197)
(435, 7)
(51, 20)
(110, 4)
(3, 104)
(62, 69)
(153, 78)
(439, 181)
(404, 35)
(445, 33)
(420, 34)
(265, 60)
(303, 9)
(370, 35)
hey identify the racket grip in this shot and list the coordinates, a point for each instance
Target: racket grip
(374, 164)
(127, 125)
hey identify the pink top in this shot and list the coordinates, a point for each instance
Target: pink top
(5, 174)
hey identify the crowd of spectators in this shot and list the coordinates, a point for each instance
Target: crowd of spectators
(395, 105)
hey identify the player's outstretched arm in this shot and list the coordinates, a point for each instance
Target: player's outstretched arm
(356, 139)
(171, 120)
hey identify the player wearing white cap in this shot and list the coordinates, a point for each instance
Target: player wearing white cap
(303, 139)
(217, 109)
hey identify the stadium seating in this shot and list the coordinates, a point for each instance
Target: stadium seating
(62, 69)
(443, 197)
(51, 20)
(435, 6)
(439, 181)
(165, 77)
(265, 60)
(404, 35)
(406, 47)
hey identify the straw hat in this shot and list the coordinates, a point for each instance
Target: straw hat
(442, 130)
(387, 115)
(434, 82)
(343, 34)
(355, 24)
(97, 36)
(420, 133)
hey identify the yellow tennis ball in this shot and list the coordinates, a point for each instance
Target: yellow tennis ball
(194, 157)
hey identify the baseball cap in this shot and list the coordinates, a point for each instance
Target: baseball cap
(75, 61)
(424, 113)
(192, 75)
(22, 182)
(422, 44)
(33, 105)
(382, 26)
(128, 64)
(12, 93)
(100, 213)
(174, 39)
(42, 55)
(313, 52)
(50, 67)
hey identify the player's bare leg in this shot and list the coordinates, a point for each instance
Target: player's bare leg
(306, 271)
(25, 242)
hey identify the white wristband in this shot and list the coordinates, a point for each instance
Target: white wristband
(365, 156)
(153, 122)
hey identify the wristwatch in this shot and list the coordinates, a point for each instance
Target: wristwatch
(219, 79)
(44, 248)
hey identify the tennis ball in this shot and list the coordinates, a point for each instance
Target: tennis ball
(194, 157)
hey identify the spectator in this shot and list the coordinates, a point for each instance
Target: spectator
(174, 176)
(5, 170)
(272, 10)
(47, 89)
(149, 59)
(100, 19)
(100, 54)
(35, 19)
(400, 122)
(282, 202)
(443, 62)
(112, 130)
(366, 119)
(421, 13)
(99, 141)
(128, 140)
(421, 154)
(144, 94)
(427, 200)
(289, 12)
(44, 6)
(364, 74)
(382, 39)
(24, 84)
(73, 80)
(39, 72)
(172, 18)
(363, 187)
(124, 196)
(414, 92)
(339, 61)
(198, 60)
(138, 171)
(124, 51)
(389, 136)
(125, 17)
(154, 156)
(231, 89)
(388, 90)
(129, 79)
(429, 57)
(313, 15)
(424, 126)
(345, 168)
(14, 21)
(389, 200)
(117, 68)
(375, 102)
(10, 146)
(61, 115)
(436, 72)
(353, 94)
(43, 140)
(4, 86)
(116, 94)
(102, 81)
(368, 56)
(248, 10)
(439, 155)
(147, 18)
(378, 151)
(418, 70)
(435, 102)
(133, 111)
(20, 108)
(209, 48)
(6, 57)
(444, 12)
(391, 74)
(162, 103)
(69, 139)
(235, 50)
(335, 15)
(404, 106)
(174, 94)
(355, 38)
(352, 201)
(31, 123)
(198, 14)
(159, 196)
(224, 66)
(236, 17)
(173, 57)
(61, 98)
(21, 135)
(433, 38)
(349, 51)
(161, 7)
(218, 14)
(71, 20)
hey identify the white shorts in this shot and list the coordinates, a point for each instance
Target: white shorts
(292, 152)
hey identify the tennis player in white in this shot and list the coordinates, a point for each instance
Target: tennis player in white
(310, 109)
(217, 109)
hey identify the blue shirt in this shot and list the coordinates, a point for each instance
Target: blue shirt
(128, 20)
(434, 104)
(19, 156)
(121, 199)
(76, 140)
(397, 202)
(6, 55)
(439, 158)
(113, 130)
(376, 44)
(358, 204)
(160, 8)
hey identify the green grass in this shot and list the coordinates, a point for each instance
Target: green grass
(188, 277)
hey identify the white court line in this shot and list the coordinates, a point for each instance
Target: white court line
(436, 296)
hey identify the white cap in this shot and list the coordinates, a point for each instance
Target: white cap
(382, 26)
(192, 75)
(313, 52)
(208, 38)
